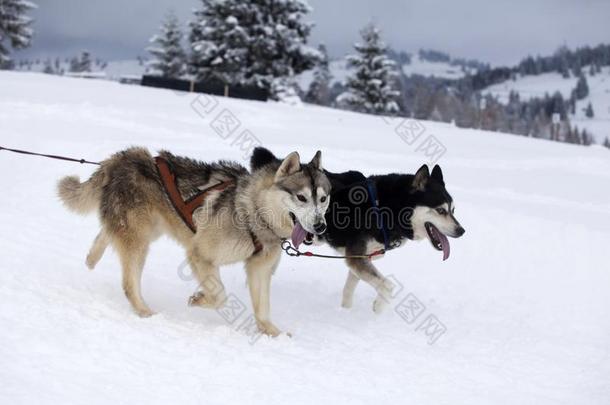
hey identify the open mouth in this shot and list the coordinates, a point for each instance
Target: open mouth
(299, 234)
(438, 239)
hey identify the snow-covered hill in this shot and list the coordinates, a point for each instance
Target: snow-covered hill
(548, 83)
(439, 70)
(523, 301)
(417, 66)
(113, 70)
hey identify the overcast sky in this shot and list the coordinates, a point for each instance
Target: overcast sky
(500, 32)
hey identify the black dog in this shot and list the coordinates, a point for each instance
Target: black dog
(367, 214)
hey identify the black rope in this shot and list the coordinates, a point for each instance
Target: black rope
(69, 159)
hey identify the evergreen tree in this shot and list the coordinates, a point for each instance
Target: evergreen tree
(169, 59)
(82, 63)
(587, 139)
(582, 87)
(319, 89)
(589, 111)
(85, 62)
(607, 143)
(15, 28)
(370, 88)
(48, 67)
(74, 65)
(257, 42)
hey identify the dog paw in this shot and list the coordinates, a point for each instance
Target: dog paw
(90, 262)
(199, 299)
(384, 296)
(267, 328)
(379, 305)
(347, 302)
(144, 313)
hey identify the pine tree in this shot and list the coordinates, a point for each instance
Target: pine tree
(587, 139)
(582, 87)
(48, 67)
(169, 58)
(85, 62)
(15, 28)
(81, 63)
(255, 42)
(589, 111)
(370, 88)
(319, 89)
(74, 65)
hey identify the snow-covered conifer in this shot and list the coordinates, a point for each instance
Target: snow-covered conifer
(371, 85)
(168, 57)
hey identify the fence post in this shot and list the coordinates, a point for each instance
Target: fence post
(192, 86)
(226, 91)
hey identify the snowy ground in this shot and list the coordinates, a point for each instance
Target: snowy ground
(441, 70)
(549, 83)
(523, 299)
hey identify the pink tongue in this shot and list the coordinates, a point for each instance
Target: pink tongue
(298, 235)
(444, 243)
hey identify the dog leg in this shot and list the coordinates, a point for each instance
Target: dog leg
(132, 258)
(212, 291)
(366, 271)
(348, 290)
(259, 269)
(97, 249)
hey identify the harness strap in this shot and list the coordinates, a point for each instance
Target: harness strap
(375, 202)
(186, 208)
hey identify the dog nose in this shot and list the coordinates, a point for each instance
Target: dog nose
(319, 228)
(459, 232)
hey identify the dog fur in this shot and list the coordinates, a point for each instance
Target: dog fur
(409, 203)
(134, 210)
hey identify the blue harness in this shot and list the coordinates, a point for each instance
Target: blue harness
(380, 222)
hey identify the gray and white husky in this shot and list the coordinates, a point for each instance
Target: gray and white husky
(244, 222)
(403, 207)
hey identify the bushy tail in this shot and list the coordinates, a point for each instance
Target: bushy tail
(81, 198)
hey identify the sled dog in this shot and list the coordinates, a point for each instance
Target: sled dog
(403, 207)
(243, 222)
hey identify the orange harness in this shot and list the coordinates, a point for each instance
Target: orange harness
(186, 208)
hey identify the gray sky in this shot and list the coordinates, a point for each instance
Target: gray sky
(497, 31)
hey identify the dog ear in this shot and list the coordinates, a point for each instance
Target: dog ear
(316, 162)
(290, 165)
(421, 178)
(437, 174)
(261, 157)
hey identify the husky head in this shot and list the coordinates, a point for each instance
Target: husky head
(434, 209)
(303, 189)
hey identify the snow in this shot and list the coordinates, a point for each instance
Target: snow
(530, 86)
(417, 66)
(599, 97)
(114, 70)
(524, 297)
(426, 68)
(548, 83)
(338, 69)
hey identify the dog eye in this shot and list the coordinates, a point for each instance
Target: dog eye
(301, 198)
(441, 211)
(323, 199)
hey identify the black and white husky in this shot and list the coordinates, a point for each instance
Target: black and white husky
(380, 212)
